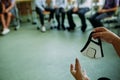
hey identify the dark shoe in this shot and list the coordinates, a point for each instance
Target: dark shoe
(70, 28)
(51, 27)
(83, 28)
(63, 27)
(58, 27)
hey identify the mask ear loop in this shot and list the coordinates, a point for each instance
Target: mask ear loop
(99, 43)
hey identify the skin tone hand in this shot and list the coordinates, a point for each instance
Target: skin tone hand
(55, 7)
(6, 11)
(75, 9)
(108, 36)
(102, 11)
(104, 34)
(77, 72)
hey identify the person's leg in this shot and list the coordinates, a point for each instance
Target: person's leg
(93, 21)
(63, 17)
(8, 19)
(2, 17)
(51, 16)
(57, 15)
(4, 24)
(96, 21)
(41, 15)
(70, 19)
(99, 18)
(81, 13)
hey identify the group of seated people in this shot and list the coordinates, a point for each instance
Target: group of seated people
(59, 8)
(80, 7)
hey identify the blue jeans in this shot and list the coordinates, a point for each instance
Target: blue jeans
(81, 13)
(96, 19)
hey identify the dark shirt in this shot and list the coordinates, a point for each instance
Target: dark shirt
(110, 4)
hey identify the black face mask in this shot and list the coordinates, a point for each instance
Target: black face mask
(93, 48)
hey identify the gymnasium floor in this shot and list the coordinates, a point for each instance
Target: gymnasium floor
(29, 54)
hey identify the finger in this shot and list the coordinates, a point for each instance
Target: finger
(99, 29)
(77, 65)
(71, 67)
(97, 35)
(72, 70)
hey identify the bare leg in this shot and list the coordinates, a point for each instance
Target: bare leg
(9, 16)
(2, 16)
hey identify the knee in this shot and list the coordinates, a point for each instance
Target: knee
(69, 12)
(9, 14)
(57, 14)
(1, 15)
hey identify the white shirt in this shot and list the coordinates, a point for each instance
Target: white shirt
(100, 3)
(71, 4)
(60, 3)
(42, 4)
(87, 3)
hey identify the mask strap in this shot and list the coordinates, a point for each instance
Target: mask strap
(99, 43)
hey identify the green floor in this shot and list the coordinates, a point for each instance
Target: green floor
(28, 54)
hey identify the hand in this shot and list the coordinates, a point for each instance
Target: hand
(75, 9)
(104, 34)
(77, 73)
(55, 7)
(6, 11)
(102, 11)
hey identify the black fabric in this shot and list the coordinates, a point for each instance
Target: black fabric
(0, 7)
(104, 78)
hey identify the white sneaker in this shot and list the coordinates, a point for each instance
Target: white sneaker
(43, 29)
(5, 31)
(52, 23)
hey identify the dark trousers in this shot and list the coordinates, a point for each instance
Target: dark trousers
(96, 19)
(81, 13)
(59, 11)
(41, 15)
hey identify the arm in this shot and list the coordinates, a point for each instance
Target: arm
(11, 6)
(116, 44)
(75, 6)
(64, 5)
(38, 3)
(111, 9)
(108, 10)
(3, 7)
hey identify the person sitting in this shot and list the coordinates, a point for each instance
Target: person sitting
(43, 6)
(96, 4)
(8, 11)
(60, 6)
(104, 34)
(80, 9)
(109, 8)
